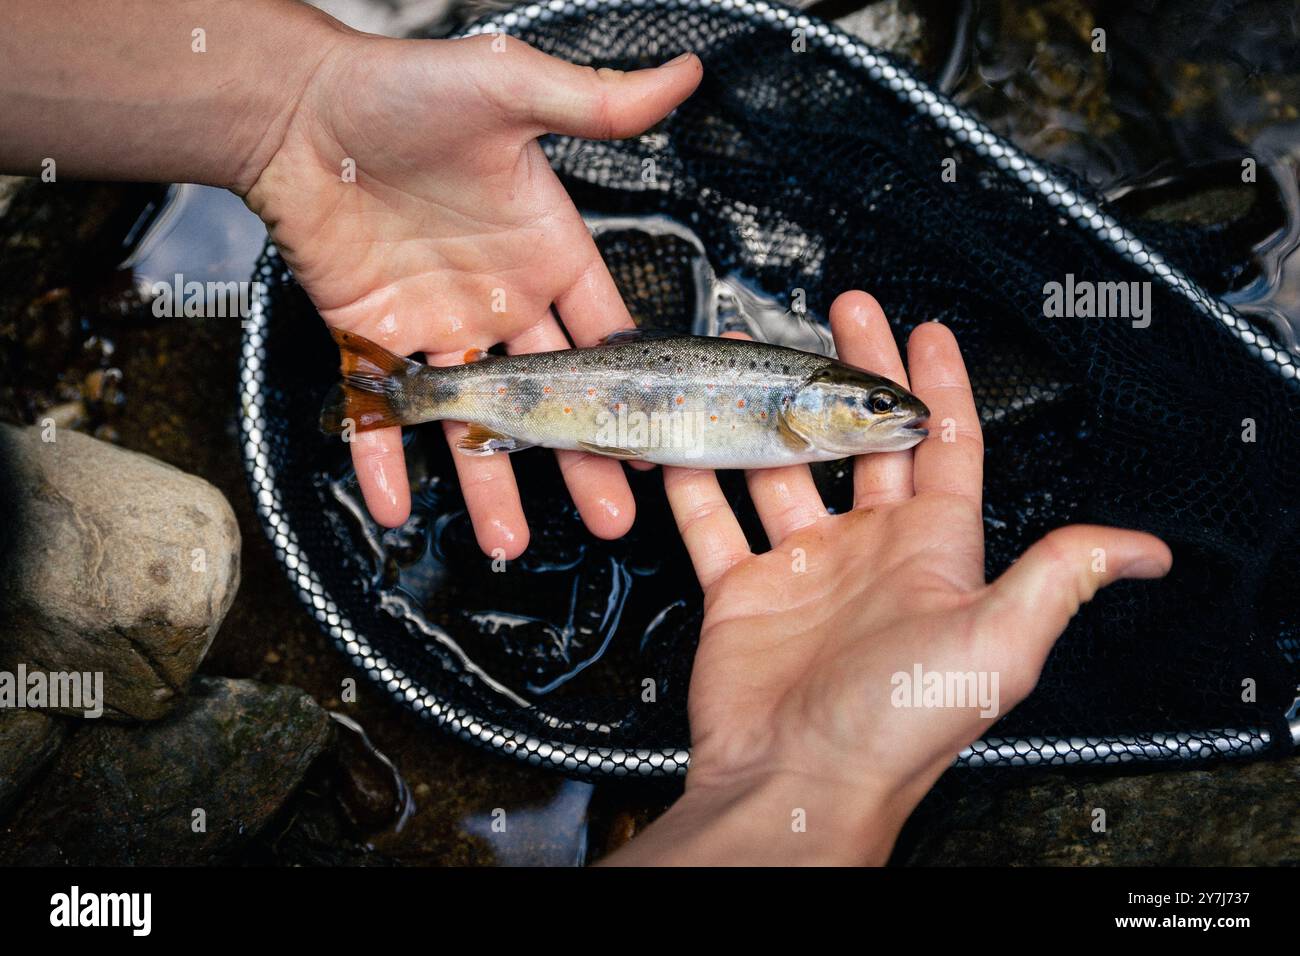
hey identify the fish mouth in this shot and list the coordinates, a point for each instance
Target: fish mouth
(913, 426)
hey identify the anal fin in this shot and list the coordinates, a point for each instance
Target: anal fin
(481, 440)
(609, 451)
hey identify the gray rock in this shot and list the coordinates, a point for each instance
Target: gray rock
(1225, 814)
(125, 795)
(28, 739)
(886, 24)
(110, 561)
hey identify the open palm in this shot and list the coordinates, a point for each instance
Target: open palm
(416, 208)
(799, 645)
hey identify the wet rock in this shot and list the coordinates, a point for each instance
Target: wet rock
(891, 25)
(28, 739)
(229, 756)
(112, 562)
(1223, 815)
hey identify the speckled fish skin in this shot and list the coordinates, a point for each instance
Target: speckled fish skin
(672, 400)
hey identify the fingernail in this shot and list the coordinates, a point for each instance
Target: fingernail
(1144, 568)
(680, 58)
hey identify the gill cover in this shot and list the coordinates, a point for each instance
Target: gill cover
(832, 411)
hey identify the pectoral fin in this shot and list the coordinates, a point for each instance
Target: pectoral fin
(609, 451)
(481, 440)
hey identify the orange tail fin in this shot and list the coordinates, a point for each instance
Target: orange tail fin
(373, 389)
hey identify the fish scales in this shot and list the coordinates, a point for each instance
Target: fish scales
(670, 400)
(673, 400)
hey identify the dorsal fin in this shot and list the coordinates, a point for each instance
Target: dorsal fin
(623, 336)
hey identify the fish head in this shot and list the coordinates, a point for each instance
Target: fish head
(851, 412)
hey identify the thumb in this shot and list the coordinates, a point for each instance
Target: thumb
(1035, 598)
(560, 97)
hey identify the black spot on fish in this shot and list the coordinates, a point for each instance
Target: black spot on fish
(526, 393)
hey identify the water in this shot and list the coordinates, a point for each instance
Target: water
(532, 628)
(548, 833)
(1183, 94)
(204, 233)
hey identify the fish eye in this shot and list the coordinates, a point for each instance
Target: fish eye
(881, 401)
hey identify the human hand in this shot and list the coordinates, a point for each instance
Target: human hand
(456, 234)
(790, 697)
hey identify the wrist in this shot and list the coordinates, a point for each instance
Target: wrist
(296, 45)
(778, 819)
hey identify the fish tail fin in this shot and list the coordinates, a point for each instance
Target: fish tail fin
(374, 387)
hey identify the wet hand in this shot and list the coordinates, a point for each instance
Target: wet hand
(416, 208)
(792, 698)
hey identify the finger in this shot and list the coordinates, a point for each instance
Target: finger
(550, 95)
(378, 456)
(709, 529)
(591, 308)
(487, 483)
(786, 500)
(863, 338)
(380, 463)
(951, 460)
(1034, 599)
(597, 485)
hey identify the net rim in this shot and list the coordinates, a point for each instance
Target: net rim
(580, 760)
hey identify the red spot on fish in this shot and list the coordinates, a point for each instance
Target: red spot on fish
(501, 390)
(591, 391)
(713, 418)
(740, 404)
(681, 399)
(568, 411)
(762, 414)
(547, 389)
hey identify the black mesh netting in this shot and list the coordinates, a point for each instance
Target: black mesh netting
(798, 172)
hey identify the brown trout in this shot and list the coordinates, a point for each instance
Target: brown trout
(659, 397)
